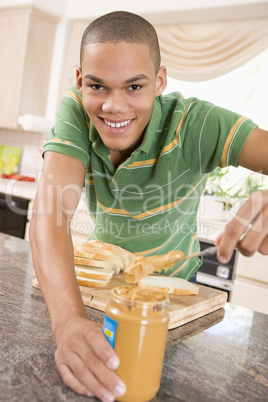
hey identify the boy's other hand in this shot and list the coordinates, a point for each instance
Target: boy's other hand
(248, 230)
(86, 361)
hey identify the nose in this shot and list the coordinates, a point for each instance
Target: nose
(115, 102)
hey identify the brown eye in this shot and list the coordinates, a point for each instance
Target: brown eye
(135, 87)
(96, 87)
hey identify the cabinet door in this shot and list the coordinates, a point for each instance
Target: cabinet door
(26, 43)
(37, 65)
(13, 40)
(250, 288)
(250, 294)
(253, 268)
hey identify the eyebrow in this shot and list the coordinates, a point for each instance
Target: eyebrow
(137, 78)
(129, 81)
(94, 78)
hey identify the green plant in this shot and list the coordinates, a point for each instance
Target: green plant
(217, 185)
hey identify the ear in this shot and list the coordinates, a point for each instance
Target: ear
(161, 81)
(78, 74)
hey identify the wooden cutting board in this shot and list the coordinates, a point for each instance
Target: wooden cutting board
(182, 309)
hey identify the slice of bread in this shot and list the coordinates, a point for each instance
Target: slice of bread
(125, 254)
(95, 263)
(176, 286)
(113, 256)
(93, 272)
(96, 253)
(92, 283)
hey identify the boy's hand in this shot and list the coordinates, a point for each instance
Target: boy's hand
(251, 221)
(86, 361)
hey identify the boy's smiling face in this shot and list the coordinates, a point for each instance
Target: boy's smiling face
(118, 83)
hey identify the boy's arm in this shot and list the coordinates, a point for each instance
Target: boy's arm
(83, 357)
(254, 211)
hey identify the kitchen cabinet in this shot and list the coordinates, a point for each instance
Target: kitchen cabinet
(250, 288)
(26, 42)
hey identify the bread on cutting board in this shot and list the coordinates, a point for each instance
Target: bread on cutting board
(172, 285)
(96, 262)
(117, 250)
(91, 262)
(99, 254)
(91, 283)
(93, 272)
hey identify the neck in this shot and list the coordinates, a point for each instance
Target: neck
(118, 157)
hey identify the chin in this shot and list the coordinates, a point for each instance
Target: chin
(115, 144)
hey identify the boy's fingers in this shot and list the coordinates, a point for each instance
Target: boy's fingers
(102, 349)
(96, 356)
(247, 230)
(228, 240)
(255, 238)
(81, 379)
(83, 358)
(70, 380)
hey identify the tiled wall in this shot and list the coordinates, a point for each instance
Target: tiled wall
(20, 138)
(31, 143)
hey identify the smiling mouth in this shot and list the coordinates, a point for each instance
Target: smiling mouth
(117, 125)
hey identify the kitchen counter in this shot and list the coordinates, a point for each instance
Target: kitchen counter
(18, 188)
(28, 191)
(219, 357)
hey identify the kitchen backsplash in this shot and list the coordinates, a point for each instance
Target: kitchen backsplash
(20, 138)
(31, 143)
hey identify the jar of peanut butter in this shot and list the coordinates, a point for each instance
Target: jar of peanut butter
(136, 324)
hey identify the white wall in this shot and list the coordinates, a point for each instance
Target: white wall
(57, 7)
(81, 8)
(89, 9)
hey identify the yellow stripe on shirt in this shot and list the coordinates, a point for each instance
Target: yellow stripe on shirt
(152, 250)
(74, 96)
(143, 163)
(89, 181)
(229, 140)
(153, 161)
(181, 121)
(55, 139)
(169, 146)
(154, 211)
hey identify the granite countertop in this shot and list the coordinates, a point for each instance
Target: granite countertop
(219, 357)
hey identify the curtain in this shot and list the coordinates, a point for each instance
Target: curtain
(199, 52)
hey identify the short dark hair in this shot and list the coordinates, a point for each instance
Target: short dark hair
(122, 26)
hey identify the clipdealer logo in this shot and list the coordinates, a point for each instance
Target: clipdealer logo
(131, 228)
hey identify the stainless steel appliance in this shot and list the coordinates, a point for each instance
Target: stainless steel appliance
(13, 215)
(215, 275)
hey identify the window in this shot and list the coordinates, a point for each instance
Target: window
(243, 90)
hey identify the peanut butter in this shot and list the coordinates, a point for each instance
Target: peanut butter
(135, 324)
(140, 267)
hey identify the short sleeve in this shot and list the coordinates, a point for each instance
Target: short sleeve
(214, 136)
(70, 135)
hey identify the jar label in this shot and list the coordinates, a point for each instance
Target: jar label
(109, 329)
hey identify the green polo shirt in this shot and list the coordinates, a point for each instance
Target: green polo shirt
(148, 205)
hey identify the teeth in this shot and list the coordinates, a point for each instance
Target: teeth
(117, 125)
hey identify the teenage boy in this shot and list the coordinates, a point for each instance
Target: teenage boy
(144, 159)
